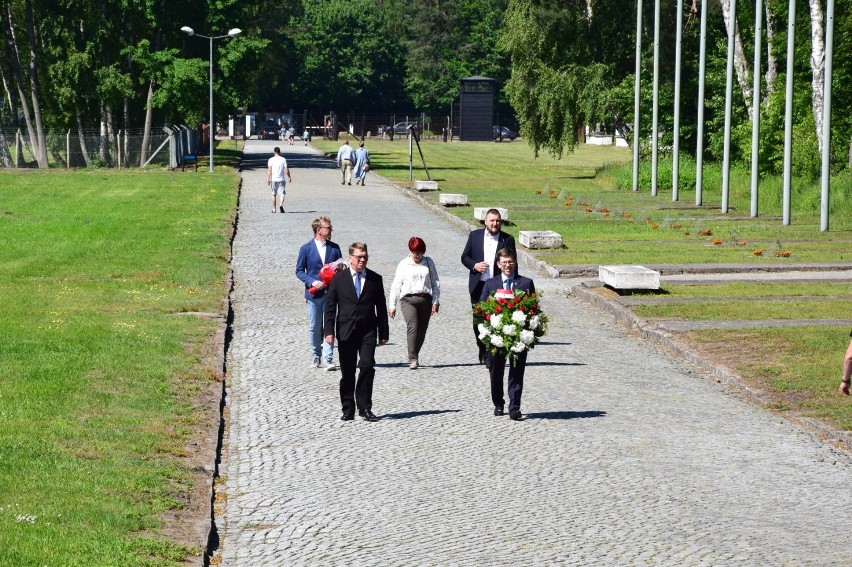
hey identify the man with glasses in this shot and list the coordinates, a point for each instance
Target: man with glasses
(313, 255)
(511, 280)
(355, 313)
(480, 258)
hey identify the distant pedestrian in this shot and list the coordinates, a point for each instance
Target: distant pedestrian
(291, 135)
(313, 255)
(306, 136)
(417, 288)
(480, 258)
(276, 168)
(362, 164)
(283, 133)
(345, 160)
(847, 370)
(204, 136)
(355, 313)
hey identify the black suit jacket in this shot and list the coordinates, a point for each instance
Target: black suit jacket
(495, 283)
(474, 252)
(346, 314)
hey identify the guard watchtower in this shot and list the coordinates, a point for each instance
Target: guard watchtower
(476, 114)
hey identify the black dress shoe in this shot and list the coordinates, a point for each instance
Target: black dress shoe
(347, 416)
(516, 415)
(498, 411)
(367, 415)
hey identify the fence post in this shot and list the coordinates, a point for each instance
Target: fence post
(118, 149)
(18, 142)
(68, 149)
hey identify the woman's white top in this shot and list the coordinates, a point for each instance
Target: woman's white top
(412, 277)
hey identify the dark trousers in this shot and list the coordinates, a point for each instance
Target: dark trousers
(358, 351)
(474, 299)
(496, 369)
(416, 310)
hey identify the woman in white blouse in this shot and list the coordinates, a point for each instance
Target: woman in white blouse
(417, 288)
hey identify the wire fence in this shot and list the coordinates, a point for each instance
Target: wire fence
(88, 148)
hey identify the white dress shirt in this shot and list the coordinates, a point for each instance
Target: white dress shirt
(489, 247)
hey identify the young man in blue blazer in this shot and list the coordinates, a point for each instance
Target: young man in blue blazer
(313, 255)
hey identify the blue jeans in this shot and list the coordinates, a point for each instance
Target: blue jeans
(319, 348)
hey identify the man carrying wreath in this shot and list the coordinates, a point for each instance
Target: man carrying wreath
(508, 280)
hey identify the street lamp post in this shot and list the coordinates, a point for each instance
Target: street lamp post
(231, 33)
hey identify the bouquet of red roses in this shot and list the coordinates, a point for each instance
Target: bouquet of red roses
(327, 273)
(510, 323)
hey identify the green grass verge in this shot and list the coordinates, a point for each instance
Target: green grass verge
(800, 366)
(98, 373)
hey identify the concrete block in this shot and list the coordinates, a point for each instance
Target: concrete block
(426, 185)
(540, 239)
(479, 213)
(452, 199)
(629, 277)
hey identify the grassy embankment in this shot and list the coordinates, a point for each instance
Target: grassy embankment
(100, 374)
(586, 197)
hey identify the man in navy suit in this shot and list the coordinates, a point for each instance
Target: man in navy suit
(312, 256)
(507, 279)
(480, 258)
(356, 312)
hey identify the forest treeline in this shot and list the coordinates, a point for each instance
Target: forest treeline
(125, 64)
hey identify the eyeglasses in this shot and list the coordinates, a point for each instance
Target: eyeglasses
(328, 227)
(357, 257)
(508, 262)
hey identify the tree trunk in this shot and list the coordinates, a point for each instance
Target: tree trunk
(39, 144)
(81, 135)
(771, 60)
(17, 72)
(740, 62)
(817, 65)
(149, 118)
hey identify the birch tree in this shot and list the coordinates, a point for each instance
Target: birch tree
(817, 65)
(741, 66)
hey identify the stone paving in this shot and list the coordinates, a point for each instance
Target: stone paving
(626, 457)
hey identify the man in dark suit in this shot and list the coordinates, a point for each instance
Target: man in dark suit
(507, 279)
(480, 258)
(355, 312)
(313, 255)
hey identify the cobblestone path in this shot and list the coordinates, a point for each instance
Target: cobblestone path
(626, 456)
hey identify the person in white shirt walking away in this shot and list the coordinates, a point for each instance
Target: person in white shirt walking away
(276, 168)
(345, 160)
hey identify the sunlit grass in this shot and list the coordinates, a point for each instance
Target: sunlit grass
(98, 374)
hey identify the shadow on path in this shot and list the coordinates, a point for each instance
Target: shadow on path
(565, 414)
(410, 414)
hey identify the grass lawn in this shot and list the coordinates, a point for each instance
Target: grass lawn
(100, 371)
(586, 196)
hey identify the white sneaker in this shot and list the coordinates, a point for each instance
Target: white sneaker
(330, 366)
(315, 363)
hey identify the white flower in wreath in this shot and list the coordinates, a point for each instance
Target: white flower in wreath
(496, 340)
(535, 322)
(496, 321)
(527, 337)
(519, 317)
(483, 331)
(519, 348)
(510, 330)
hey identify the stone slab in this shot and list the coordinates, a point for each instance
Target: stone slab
(452, 199)
(540, 239)
(629, 277)
(479, 212)
(426, 185)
